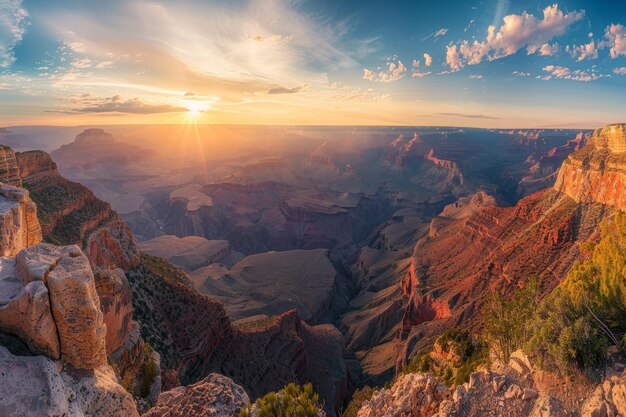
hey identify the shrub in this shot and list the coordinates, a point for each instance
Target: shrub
(506, 321)
(563, 336)
(463, 355)
(575, 324)
(292, 401)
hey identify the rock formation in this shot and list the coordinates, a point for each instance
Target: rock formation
(19, 227)
(511, 390)
(25, 311)
(597, 173)
(48, 299)
(466, 257)
(417, 395)
(214, 396)
(195, 337)
(68, 212)
(116, 304)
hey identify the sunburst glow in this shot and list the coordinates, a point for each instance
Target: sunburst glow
(195, 107)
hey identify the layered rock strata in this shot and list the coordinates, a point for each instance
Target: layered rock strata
(19, 227)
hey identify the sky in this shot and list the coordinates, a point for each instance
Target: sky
(482, 63)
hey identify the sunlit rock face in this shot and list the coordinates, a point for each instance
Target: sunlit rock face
(612, 137)
(597, 172)
(19, 227)
(9, 171)
(73, 300)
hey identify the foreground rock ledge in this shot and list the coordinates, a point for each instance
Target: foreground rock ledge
(215, 396)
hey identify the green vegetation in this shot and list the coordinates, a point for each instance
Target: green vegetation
(51, 195)
(573, 326)
(357, 400)
(506, 321)
(292, 401)
(454, 357)
(165, 270)
(148, 372)
(587, 312)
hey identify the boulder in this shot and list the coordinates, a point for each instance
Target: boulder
(214, 396)
(36, 262)
(74, 302)
(76, 309)
(25, 311)
(529, 394)
(520, 362)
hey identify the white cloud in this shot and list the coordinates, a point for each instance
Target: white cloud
(415, 63)
(77, 46)
(557, 71)
(517, 32)
(521, 74)
(586, 51)
(620, 71)
(419, 74)
(13, 21)
(436, 34)
(82, 63)
(616, 37)
(567, 74)
(475, 77)
(453, 59)
(394, 71)
(440, 32)
(428, 60)
(549, 50)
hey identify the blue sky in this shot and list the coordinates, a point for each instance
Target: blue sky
(491, 63)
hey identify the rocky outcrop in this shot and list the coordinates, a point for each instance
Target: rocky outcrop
(608, 399)
(213, 396)
(19, 227)
(48, 300)
(417, 395)
(597, 173)
(9, 171)
(116, 305)
(35, 166)
(25, 311)
(112, 245)
(73, 300)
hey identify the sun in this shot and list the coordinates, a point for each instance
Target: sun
(195, 107)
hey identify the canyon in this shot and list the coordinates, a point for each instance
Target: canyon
(322, 264)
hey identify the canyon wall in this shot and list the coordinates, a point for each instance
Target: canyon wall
(49, 303)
